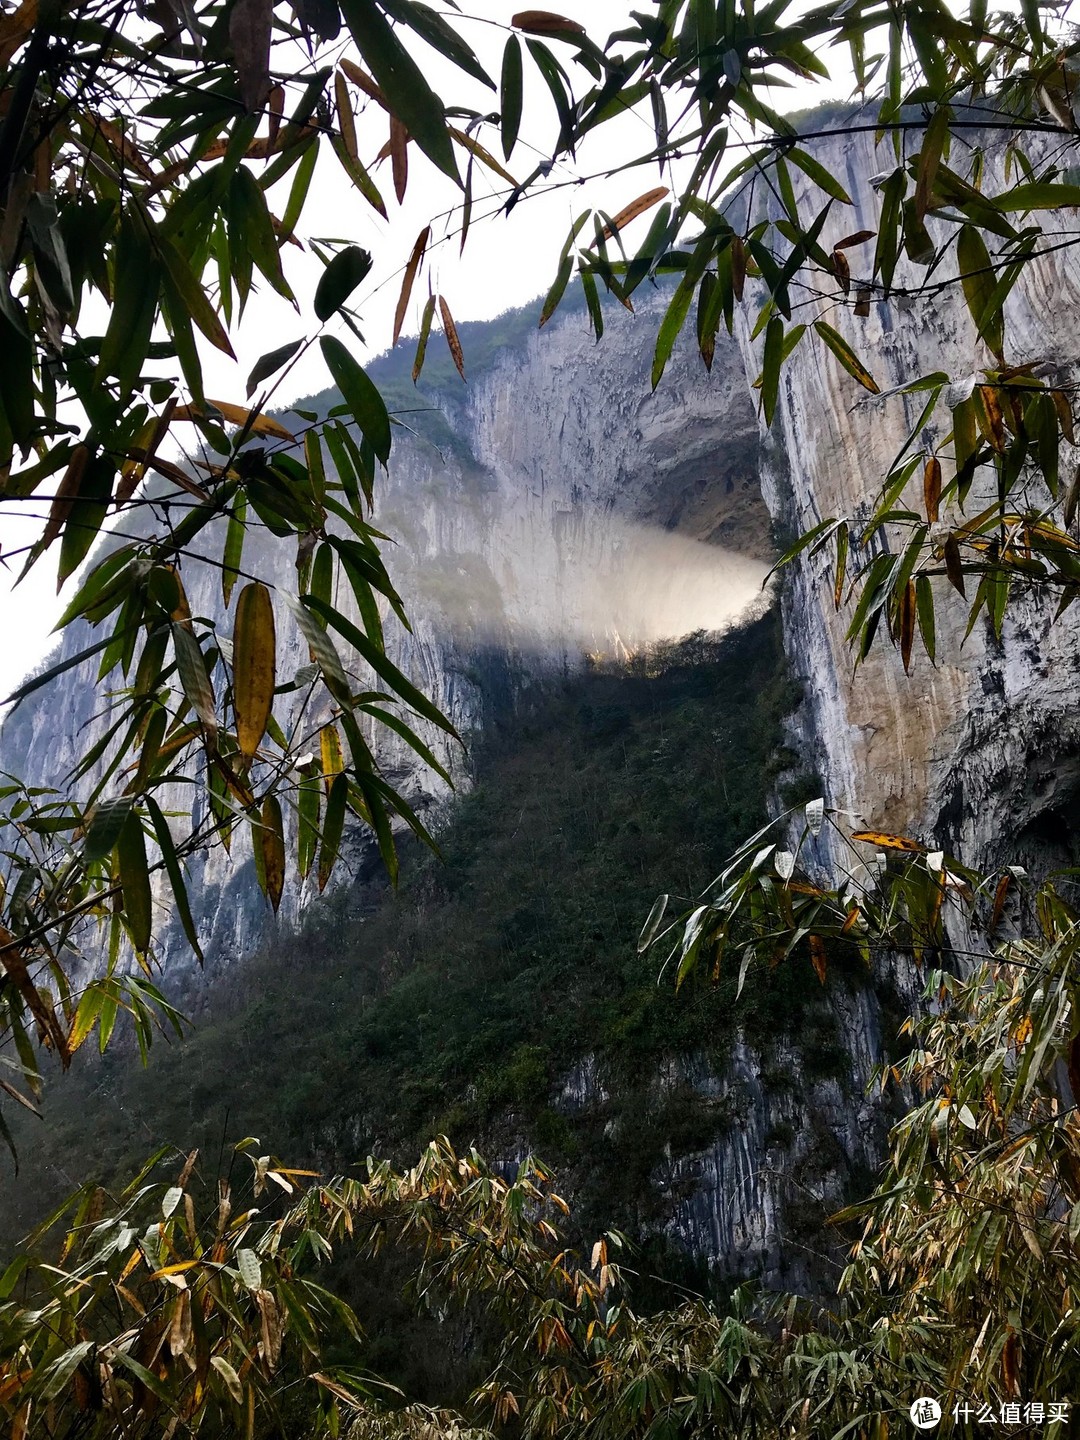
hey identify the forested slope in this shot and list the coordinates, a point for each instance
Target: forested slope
(498, 996)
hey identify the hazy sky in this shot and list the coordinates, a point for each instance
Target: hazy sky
(507, 261)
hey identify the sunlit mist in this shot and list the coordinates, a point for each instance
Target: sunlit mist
(587, 580)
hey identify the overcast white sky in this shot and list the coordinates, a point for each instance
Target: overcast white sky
(506, 262)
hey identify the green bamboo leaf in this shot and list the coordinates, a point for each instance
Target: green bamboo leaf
(399, 727)
(358, 175)
(924, 603)
(62, 1370)
(270, 363)
(298, 191)
(321, 645)
(172, 869)
(979, 281)
(251, 231)
(194, 298)
(511, 95)
(340, 278)
(652, 923)
(817, 172)
(592, 301)
(359, 394)
(308, 805)
(382, 666)
(424, 336)
(234, 548)
(254, 657)
(322, 574)
(670, 326)
(194, 678)
(136, 288)
(87, 514)
(555, 294)
(148, 1378)
(918, 242)
(770, 372)
(841, 563)
(135, 881)
(817, 537)
(429, 24)
(847, 357)
(333, 826)
(1040, 195)
(104, 829)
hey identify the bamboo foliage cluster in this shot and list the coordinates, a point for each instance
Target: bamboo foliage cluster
(167, 1312)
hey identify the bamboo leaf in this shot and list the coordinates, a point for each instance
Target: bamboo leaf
(511, 95)
(383, 667)
(272, 841)
(237, 415)
(340, 278)
(889, 842)
(234, 548)
(359, 394)
(545, 22)
(847, 357)
(558, 289)
(978, 279)
(452, 339)
(409, 277)
(254, 675)
(672, 323)
(194, 678)
(135, 879)
(172, 869)
(407, 92)
(1039, 195)
(932, 488)
(308, 805)
(229, 1375)
(399, 157)
(924, 601)
(250, 29)
(817, 172)
(422, 340)
(770, 372)
(108, 820)
(333, 826)
(321, 646)
(634, 209)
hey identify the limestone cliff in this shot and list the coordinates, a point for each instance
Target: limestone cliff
(980, 754)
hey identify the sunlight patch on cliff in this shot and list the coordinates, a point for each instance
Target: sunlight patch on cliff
(593, 582)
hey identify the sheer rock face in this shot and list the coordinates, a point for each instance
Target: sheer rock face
(980, 754)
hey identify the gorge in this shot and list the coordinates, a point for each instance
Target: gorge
(553, 508)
